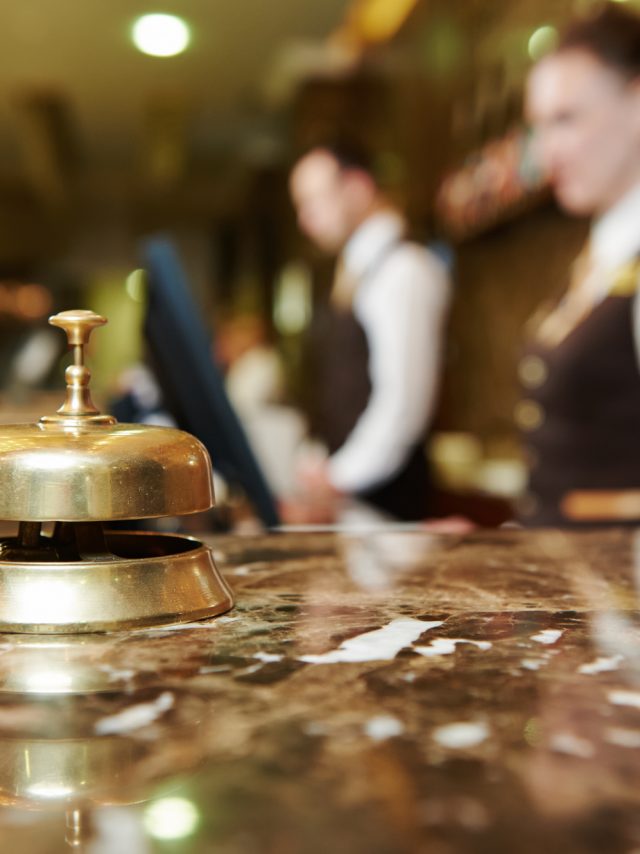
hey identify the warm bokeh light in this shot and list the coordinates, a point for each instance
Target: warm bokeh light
(378, 20)
(161, 35)
(33, 301)
(292, 301)
(542, 41)
(135, 285)
(171, 818)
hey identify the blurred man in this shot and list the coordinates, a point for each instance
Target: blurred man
(582, 377)
(380, 367)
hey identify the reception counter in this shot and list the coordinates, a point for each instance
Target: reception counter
(371, 693)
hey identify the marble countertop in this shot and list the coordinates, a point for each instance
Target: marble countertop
(383, 693)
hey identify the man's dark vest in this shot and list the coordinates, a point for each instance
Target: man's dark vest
(341, 366)
(581, 416)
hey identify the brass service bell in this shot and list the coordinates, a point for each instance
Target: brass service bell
(80, 470)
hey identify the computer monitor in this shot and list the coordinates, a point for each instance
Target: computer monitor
(191, 383)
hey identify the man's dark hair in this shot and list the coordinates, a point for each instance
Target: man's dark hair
(348, 153)
(612, 35)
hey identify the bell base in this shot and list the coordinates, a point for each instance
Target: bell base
(150, 579)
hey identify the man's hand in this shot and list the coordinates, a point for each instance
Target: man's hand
(316, 500)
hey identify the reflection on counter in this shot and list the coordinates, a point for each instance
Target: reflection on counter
(383, 692)
(68, 760)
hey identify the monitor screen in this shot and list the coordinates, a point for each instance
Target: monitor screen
(192, 385)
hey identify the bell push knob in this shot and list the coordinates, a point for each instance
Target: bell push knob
(78, 407)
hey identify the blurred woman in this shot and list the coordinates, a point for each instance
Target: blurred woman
(581, 374)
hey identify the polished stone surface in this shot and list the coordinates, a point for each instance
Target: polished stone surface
(383, 693)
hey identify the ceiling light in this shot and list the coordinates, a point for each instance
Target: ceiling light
(161, 35)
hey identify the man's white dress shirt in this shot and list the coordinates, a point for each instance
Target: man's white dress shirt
(401, 302)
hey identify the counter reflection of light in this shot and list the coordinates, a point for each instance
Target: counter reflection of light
(160, 35)
(135, 285)
(48, 681)
(171, 818)
(542, 41)
(49, 791)
(533, 732)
